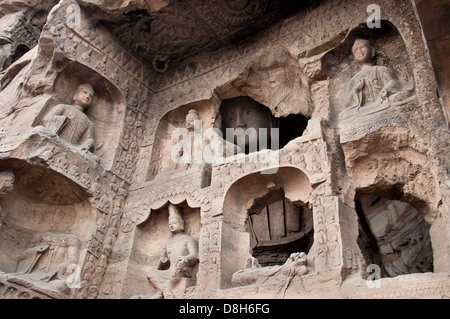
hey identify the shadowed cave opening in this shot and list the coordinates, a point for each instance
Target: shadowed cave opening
(279, 228)
(244, 113)
(20, 51)
(394, 235)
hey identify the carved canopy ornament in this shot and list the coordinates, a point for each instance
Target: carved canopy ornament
(184, 28)
(238, 12)
(144, 213)
(164, 35)
(168, 33)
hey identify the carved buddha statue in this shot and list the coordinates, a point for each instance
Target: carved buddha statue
(190, 149)
(71, 123)
(372, 89)
(246, 117)
(178, 258)
(252, 272)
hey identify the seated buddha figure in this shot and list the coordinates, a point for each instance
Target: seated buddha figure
(373, 88)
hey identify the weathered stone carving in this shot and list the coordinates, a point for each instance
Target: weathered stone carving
(245, 117)
(154, 61)
(178, 258)
(6, 183)
(190, 149)
(253, 273)
(6, 186)
(48, 259)
(71, 123)
(404, 249)
(173, 32)
(374, 88)
(20, 33)
(238, 12)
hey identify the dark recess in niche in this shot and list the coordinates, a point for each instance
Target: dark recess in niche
(246, 113)
(292, 127)
(394, 235)
(279, 228)
(20, 51)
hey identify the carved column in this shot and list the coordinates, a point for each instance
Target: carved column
(208, 276)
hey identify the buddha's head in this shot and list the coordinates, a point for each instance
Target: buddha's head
(363, 51)
(176, 221)
(83, 95)
(246, 114)
(191, 117)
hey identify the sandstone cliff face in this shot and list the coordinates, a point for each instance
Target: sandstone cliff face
(222, 149)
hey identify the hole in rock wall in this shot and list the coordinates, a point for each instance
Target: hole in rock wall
(279, 228)
(291, 127)
(394, 235)
(254, 118)
(266, 217)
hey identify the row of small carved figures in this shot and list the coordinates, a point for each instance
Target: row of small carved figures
(115, 195)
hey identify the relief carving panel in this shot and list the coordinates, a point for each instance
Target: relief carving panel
(338, 149)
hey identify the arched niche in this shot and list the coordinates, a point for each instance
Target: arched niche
(393, 234)
(288, 189)
(394, 156)
(150, 237)
(260, 128)
(166, 137)
(43, 205)
(107, 110)
(274, 80)
(20, 34)
(393, 177)
(339, 65)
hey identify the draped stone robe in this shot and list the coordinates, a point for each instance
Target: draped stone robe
(72, 125)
